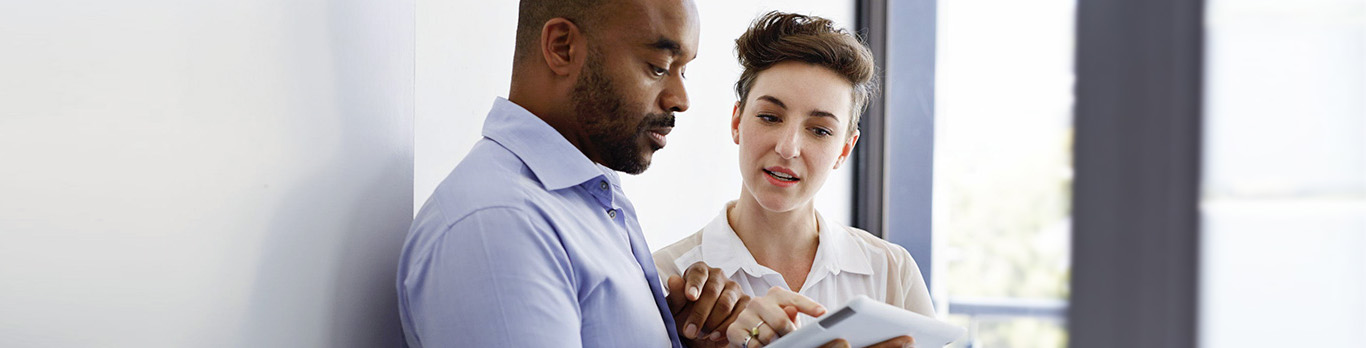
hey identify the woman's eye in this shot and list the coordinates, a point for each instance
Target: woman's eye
(822, 132)
(768, 118)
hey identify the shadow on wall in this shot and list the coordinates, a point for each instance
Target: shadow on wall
(325, 276)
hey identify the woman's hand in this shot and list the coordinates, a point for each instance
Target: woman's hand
(773, 315)
(896, 342)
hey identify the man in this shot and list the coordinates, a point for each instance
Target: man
(530, 242)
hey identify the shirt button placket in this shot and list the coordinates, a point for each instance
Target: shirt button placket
(611, 213)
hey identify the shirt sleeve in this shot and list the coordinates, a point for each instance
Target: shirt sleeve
(913, 283)
(499, 277)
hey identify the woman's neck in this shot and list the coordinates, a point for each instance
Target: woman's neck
(775, 238)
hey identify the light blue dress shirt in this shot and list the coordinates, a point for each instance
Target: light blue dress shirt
(528, 243)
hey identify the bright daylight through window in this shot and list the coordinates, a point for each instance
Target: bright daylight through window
(1003, 169)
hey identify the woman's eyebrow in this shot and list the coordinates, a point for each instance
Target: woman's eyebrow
(773, 100)
(779, 103)
(823, 113)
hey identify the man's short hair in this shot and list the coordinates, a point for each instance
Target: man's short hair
(778, 37)
(532, 15)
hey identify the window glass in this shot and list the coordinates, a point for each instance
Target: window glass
(1003, 169)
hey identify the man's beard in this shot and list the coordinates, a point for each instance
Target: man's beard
(604, 116)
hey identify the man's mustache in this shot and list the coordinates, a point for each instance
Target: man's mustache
(657, 121)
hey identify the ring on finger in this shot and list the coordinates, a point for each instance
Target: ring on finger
(753, 333)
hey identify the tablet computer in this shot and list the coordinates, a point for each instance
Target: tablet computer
(864, 322)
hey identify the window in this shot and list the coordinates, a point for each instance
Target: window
(1003, 169)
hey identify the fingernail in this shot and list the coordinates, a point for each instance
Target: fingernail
(692, 293)
(715, 336)
(690, 331)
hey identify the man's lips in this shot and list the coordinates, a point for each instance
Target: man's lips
(658, 136)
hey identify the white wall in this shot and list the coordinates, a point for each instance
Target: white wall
(462, 65)
(1284, 203)
(203, 174)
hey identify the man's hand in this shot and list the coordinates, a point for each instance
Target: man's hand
(704, 303)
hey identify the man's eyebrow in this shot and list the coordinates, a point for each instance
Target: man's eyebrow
(772, 100)
(664, 43)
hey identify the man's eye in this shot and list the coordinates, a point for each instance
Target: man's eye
(658, 71)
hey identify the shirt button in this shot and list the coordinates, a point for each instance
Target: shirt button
(602, 184)
(612, 213)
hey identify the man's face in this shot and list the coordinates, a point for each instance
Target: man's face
(632, 82)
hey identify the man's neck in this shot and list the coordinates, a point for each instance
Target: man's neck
(561, 122)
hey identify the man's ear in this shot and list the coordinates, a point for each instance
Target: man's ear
(848, 148)
(563, 46)
(735, 123)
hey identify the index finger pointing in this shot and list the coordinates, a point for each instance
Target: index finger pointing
(785, 298)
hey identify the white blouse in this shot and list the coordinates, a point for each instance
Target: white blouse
(849, 262)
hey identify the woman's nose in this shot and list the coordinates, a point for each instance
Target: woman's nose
(789, 144)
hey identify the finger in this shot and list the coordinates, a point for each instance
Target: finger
(722, 331)
(681, 317)
(739, 329)
(695, 276)
(837, 343)
(705, 304)
(791, 312)
(773, 315)
(895, 342)
(675, 298)
(725, 304)
(803, 304)
(766, 334)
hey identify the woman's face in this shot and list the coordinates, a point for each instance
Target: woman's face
(792, 132)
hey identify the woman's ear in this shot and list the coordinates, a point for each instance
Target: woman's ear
(848, 148)
(735, 123)
(563, 47)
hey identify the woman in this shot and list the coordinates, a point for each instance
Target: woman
(803, 86)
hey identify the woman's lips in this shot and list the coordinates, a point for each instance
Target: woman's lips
(781, 177)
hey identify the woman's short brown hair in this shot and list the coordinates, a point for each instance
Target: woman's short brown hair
(778, 37)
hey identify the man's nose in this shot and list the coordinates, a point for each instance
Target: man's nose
(675, 95)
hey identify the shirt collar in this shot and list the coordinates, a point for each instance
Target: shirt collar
(556, 163)
(839, 251)
(723, 249)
